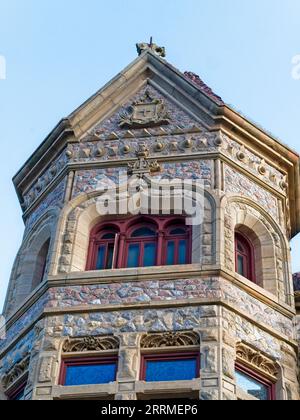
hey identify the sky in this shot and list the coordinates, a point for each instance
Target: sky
(58, 53)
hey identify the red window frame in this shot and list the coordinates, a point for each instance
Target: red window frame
(259, 378)
(177, 238)
(17, 389)
(248, 256)
(141, 241)
(165, 357)
(96, 242)
(124, 228)
(84, 361)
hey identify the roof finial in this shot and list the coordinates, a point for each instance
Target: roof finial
(160, 51)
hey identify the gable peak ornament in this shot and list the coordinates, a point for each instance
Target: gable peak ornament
(144, 113)
(144, 46)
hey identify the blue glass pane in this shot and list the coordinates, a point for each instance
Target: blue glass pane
(20, 395)
(182, 252)
(100, 259)
(171, 370)
(178, 231)
(110, 255)
(171, 253)
(133, 256)
(143, 232)
(109, 236)
(91, 374)
(149, 255)
(240, 265)
(252, 387)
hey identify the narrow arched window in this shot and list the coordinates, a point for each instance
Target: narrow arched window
(244, 257)
(177, 245)
(41, 264)
(141, 247)
(102, 249)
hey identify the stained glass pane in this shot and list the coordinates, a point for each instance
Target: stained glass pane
(143, 232)
(133, 256)
(91, 374)
(100, 259)
(182, 252)
(149, 255)
(240, 265)
(171, 370)
(170, 253)
(252, 387)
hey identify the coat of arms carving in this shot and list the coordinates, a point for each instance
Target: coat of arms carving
(147, 112)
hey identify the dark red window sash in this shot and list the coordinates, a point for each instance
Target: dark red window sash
(162, 225)
(247, 256)
(259, 378)
(84, 361)
(17, 389)
(168, 357)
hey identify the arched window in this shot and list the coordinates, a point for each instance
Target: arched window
(102, 249)
(244, 257)
(139, 242)
(141, 247)
(41, 264)
(177, 249)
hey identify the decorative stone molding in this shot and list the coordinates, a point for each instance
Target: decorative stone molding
(82, 344)
(17, 371)
(256, 360)
(170, 339)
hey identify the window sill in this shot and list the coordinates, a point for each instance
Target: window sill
(103, 391)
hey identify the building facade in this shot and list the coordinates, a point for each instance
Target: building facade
(155, 261)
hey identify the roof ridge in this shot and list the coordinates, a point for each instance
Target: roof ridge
(195, 78)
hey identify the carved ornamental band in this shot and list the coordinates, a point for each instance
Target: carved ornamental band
(256, 360)
(170, 339)
(82, 344)
(15, 373)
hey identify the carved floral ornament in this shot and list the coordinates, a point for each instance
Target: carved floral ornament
(84, 344)
(255, 359)
(17, 371)
(170, 339)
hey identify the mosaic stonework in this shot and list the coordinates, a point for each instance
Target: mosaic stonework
(194, 170)
(42, 183)
(239, 184)
(255, 164)
(153, 291)
(53, 199)
(177, 117)
(93, 180)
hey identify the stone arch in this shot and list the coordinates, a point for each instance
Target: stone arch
(81, 215)
(271, 247)
(32, 262)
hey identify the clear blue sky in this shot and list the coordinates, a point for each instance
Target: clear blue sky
(58, 53)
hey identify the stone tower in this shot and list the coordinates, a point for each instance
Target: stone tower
(120, 291)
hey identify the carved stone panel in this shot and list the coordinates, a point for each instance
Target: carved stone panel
(257, 360)
(170, 339)
(90, 343)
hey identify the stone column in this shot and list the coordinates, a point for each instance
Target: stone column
(128, 369)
